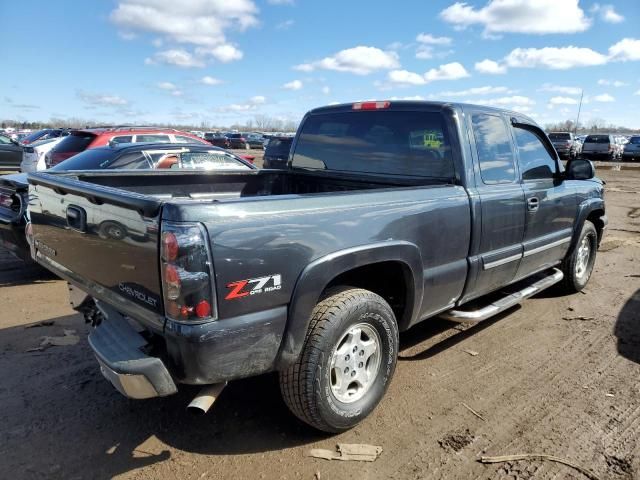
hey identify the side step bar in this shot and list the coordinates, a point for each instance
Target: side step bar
(505, 302)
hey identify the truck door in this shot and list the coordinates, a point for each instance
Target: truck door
(496, 254)
(551, 203)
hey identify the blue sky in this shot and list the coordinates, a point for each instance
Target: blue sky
(226, 61)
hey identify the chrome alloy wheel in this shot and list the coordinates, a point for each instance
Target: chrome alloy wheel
(355, 363)
(583, 257)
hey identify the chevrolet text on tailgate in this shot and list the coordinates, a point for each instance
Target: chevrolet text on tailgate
(387, 214)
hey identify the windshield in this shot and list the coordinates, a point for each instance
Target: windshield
(560, 136)
(597, 139)
(383, 142)
(279, 147)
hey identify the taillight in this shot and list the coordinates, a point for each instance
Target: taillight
(187, 274)
(371, 105)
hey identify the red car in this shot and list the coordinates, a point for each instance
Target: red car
(80, 140)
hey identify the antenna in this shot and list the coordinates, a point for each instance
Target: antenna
(575, 129)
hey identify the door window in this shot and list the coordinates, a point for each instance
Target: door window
(535, 161)
(494, 148)
(152, 138)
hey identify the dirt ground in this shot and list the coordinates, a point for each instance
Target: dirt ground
(559, 375)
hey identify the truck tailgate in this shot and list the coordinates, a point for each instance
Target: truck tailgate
(102, 239)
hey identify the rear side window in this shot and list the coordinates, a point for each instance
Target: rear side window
(76, 142)
(494, 148)
(152, 138)
(122, 139)
(388, 142)
(597, 139)
(533, 158)
(210, 161)
(183, 139)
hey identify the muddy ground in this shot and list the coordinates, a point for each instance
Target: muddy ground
(559, 375)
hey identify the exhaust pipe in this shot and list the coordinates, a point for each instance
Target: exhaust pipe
(204, 400)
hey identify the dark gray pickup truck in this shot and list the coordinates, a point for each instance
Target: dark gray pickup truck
(389, 213)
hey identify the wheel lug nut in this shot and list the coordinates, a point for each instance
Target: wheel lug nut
(355, 349)
(360, 365)
(346, 370)
(362, 353)
(346, 359)
(353, 373)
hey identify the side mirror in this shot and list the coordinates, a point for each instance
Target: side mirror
(580, 169)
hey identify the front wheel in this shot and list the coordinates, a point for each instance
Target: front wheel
(347, 361)
(578, 264)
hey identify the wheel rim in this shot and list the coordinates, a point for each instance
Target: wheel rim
(583, 257)
(355, 363)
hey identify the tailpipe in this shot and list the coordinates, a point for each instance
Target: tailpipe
(204, 400)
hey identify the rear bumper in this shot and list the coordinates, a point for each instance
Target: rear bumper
(119, 350)
(13, 239)
(203, 354)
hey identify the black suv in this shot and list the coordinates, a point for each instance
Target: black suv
(276, 153)
(237, 140)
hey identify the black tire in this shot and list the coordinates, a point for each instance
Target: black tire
(306, 386)
(574, 281)
(114, 230)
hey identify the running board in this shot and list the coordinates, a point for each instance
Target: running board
(505, 302)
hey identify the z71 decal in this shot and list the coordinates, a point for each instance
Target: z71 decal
(253, 286)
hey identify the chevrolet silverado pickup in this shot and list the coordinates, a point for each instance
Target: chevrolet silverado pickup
(388, 214)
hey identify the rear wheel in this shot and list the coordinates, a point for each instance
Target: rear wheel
(578, 264)
(346, 363)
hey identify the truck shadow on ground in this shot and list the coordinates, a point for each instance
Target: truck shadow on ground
(61, 419)
(627, 329)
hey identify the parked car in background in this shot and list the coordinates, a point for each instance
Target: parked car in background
(255, 140)
(10, 154)
(44, 134)
(313, 272)
(632, 149)
(80, 140)
(276, 152)
(565, 144)
(33, 155)
(237, 140)
(217, 139)
(600, 146)
(159, 156)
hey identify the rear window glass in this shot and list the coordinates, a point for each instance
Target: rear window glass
(36, 135)
(597, 139)
(560, 136)
(279, 146)
(76, 142)
(383, 142)
(88, 160)
(234, 135)
(635, 140)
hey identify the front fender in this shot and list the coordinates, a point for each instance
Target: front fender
(317, 275)
(585, 209)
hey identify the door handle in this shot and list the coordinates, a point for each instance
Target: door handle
(533, 203)
(77, 218)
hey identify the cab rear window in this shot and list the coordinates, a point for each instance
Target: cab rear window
(597, 139)
(385, 142)
(76, 142)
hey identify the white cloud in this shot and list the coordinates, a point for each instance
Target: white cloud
(197, 23)
(178, 57)
(224, 53)
(515, 102)
(612, 83)
(491, 67)
(207, 80)
(548, 87)
(563, 101)
(424, 52)
(412, 98)
(488, 90)
(250, 105)
(285, 25)
(637, 92)
(429, 39)
(448, 71)
(607, 13)
(360, 60)
(104, 100)
(625, 50)
(605, 97)
(554, 58)
(293, 85)
(326, 90)
(166, 86)
(520, 16)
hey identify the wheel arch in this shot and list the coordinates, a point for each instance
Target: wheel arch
(354, 266)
